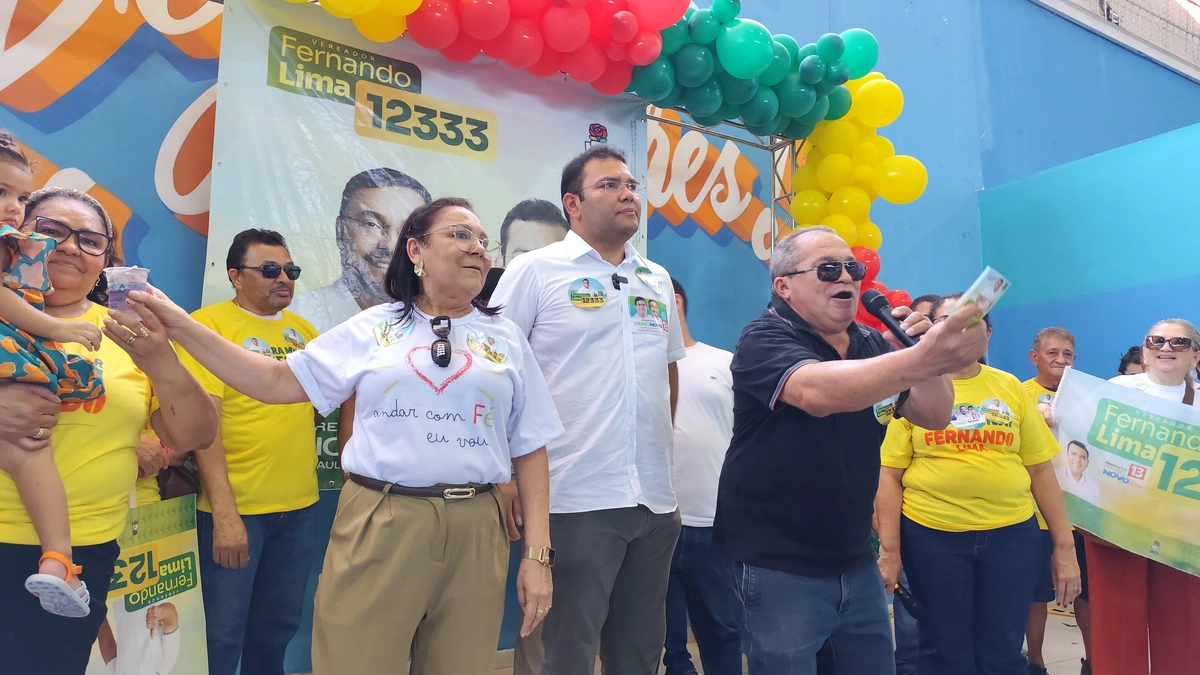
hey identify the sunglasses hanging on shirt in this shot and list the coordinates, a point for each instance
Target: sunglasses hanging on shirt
(440, 349)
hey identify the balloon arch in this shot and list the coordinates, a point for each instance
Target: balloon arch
(821, 101)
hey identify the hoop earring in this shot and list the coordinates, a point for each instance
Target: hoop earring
(419, 268)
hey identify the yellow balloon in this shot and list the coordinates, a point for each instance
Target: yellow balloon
(805, 178)
(809, 207)
(843, 226)
(866, 154)
(852, 202)
(854, 85)
(840, 136)
(886, 149)
(834, 172)
(297, 2)
(379, 26)
(399, 7)
(863, 176)
(868, 235)
(864, 130)
(879, 102)
(900, 179)
(346, 9)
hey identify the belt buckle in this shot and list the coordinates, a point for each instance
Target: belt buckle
(458, 493)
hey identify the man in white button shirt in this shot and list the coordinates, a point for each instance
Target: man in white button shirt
(613, 515)
(701, 586)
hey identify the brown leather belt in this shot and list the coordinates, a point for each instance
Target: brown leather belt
(443, 491)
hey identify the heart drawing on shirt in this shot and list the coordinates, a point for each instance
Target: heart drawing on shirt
(438, 389)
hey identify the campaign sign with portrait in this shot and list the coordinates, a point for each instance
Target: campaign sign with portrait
(333, 140)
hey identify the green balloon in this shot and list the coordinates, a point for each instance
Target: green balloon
(703, 27)
(806, 51)
(737, 91)
(718, 68)
(837, 73)
(830, 47)
(812, 69)
(673, 99)
(817, 113)
(780, 66)
(862, 51)
(824, 87)
(674, 37)
(655, 81)
(745, 48)
(771, 128)
(761, 108)
(687, 14)
(793, 47)
(839, 103)
(795, 97)
(703, 100)
(709, 120)
(726, 10)
(693, 64)
(798, 131)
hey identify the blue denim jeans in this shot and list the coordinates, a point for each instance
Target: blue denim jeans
(976, 589)
(252, 613)
(908, 637)
(788, 618)
(701, 587)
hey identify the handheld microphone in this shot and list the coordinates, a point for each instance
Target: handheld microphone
(618, 280)
(877, 305)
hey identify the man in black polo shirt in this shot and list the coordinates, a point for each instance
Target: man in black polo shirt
(813, 393)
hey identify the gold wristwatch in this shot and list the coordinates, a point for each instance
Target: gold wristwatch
(542, 554)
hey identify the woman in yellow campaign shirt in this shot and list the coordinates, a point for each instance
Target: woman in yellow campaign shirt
(956, 505)
(93, 442)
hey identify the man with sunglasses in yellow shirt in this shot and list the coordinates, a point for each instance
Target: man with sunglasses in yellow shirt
(256, 520)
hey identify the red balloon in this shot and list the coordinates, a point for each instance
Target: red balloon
(657, 14)
(899, 298)
(463, 49)
(869, 258)
(484, 19)
(575, 3)
(617, 51)
(521, 43)
(494, 49)
(527, 7)
(585, 64)
(600, 12)
(645, 48)
(550, 64)
(624, 26)
(434, 25)
(565, 29)
(616, 77)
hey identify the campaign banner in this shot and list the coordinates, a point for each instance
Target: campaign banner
(1130, 468)
(333, 140)
(155, 623)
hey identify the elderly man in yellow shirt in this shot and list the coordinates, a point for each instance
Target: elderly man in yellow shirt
(256, 520)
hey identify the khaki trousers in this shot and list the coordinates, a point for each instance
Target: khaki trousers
(410, 577)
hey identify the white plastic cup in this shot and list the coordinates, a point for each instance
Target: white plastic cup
(122, 280)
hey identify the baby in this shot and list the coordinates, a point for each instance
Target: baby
(30, 352)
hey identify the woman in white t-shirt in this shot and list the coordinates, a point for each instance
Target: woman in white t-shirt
(1133, 596)
(446, 400)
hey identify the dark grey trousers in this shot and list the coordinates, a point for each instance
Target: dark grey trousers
(610, 593)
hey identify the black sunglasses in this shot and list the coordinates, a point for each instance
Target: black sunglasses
(832, 271)
(272, 270)
(440, 349)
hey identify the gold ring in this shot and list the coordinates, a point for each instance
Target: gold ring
(143, 332)
(41, 432)
(131, 339)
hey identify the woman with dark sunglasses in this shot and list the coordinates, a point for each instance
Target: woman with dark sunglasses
(1132, 596)
(956, 505)
(445, 401)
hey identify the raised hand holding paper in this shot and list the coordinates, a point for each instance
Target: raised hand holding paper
(985, 292)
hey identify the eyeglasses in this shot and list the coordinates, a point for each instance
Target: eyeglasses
(466, 239)
(272, 270)
(614, 186)
(440, 349)
(832, 271)
(91, 243)
(1177, 344)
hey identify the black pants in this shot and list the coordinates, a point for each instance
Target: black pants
(36, 642)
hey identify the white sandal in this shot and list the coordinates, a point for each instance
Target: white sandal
(55, 594)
